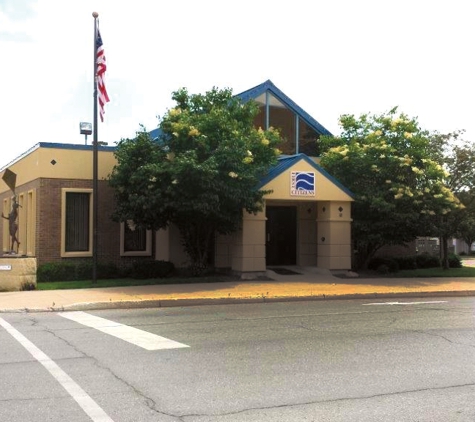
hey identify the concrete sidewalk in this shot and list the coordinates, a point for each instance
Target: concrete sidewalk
(309, 284)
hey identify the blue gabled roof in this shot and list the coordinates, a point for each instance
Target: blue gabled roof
(253, 93)
(286, 161)
(155, 134)
(269, 86)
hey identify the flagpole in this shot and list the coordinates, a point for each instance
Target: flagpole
(95, 195)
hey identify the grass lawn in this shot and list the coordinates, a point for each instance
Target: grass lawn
(467, 270)
(437, 272)
(87, 284)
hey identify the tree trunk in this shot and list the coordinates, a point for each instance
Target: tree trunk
(444, 252)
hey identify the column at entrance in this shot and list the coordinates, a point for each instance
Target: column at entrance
(249, 250)
(334, 235)
(307, 234)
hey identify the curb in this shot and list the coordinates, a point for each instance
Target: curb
(172, 303)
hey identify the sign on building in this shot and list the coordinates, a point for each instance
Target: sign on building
(302, 183)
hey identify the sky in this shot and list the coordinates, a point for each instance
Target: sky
(330, 57)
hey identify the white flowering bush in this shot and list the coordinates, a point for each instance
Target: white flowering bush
(387, 162)
(200, 174)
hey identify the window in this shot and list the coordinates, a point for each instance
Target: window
(76, 222)
(134, 241)
(297, 135)
(308, 139)
(31, 223)
(6, 232)
(22, 224)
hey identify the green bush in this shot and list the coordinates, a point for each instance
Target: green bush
(152, 269)
(381, 261)
(55, 271)
(75, 271)
(427, 261)
(406, 262)
(383, 269)
(454, 261)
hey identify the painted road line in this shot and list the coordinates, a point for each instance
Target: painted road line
(133, 335)
(405, 303)
(92, 409)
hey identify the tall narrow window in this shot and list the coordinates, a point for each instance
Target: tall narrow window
(22, 224)
(77, 222)
(308, 139)
(6, 232)
(282, 118)
(135, 241)
(31, 224)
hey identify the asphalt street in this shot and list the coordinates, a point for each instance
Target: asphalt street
(358, 360)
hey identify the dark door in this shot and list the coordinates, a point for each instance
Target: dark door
(281, 235)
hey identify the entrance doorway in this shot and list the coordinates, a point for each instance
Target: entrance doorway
(281, 235)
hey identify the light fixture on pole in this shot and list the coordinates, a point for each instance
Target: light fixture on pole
(85, 129)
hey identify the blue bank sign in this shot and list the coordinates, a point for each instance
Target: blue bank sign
(302, 183)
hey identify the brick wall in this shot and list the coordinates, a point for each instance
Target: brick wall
(23, 189)
(48, 221)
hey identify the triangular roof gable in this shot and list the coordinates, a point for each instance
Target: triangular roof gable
(286, 162)
(269, 86)
(253, 93)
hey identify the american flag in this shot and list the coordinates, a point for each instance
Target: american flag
(102, 97)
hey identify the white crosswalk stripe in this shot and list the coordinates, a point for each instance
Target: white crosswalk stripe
(405, 303)
(88, 405)
(141, 338)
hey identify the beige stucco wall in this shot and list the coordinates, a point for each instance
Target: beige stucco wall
(69, 164)
(323, 221)
(307, 234)
(168, 247)
(249, 251)
(334, 235)
(224, 248)
(17, 274)
(325, 189)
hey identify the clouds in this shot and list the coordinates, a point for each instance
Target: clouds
(17, 10)
(14, 17)
(333, 58)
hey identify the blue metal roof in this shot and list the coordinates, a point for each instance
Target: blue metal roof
(269, 86)
(155, 134)
(75, 146)
(56, 145)
(287, 161)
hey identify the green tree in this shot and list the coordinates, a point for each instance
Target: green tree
(200, 174)
(465, 219)
(458, 158)
(388, 163)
